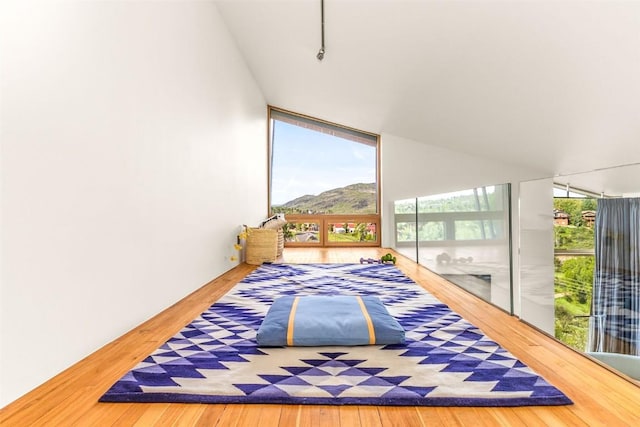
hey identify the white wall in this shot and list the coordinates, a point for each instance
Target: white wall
(536, 254)
(133, 145)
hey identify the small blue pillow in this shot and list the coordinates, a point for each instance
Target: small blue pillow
(328, 320)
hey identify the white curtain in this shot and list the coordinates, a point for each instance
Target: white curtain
(615, 325)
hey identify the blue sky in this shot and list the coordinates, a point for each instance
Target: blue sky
(302, 157)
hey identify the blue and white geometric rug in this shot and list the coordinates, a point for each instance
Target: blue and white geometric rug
(445, 361)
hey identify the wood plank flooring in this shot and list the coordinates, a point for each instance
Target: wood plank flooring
(601, 398)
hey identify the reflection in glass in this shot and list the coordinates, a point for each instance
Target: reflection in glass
(431, 230)
(462, 236)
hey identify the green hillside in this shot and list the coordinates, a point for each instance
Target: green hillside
(352, 199)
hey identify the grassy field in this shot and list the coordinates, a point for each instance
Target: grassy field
(344, 237)
(572, 309)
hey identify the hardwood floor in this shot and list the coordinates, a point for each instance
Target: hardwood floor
(71, 398)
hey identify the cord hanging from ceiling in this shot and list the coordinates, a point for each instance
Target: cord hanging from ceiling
(320, 54)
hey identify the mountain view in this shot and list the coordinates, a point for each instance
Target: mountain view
(352, 199)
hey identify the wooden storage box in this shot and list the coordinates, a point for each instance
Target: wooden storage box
(262, 245)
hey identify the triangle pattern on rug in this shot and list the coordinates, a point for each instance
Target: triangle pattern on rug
(445, 360)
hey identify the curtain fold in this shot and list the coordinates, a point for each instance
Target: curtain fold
(615, 326)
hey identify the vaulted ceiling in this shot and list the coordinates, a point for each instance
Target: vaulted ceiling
(551, 85)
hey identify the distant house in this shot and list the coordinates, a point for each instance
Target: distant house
(588, 218)
(339, 228)
(560, 217)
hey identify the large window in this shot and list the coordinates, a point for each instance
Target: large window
(324, 178)
(574, 261)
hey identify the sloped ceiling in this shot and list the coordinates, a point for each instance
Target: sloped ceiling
(553, 86)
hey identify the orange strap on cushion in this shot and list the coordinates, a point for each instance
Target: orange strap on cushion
(292, 318)
(365, 313)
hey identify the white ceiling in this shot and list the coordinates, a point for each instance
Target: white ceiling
(551, 85)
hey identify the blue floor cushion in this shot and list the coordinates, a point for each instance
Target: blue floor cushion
(328, 320)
